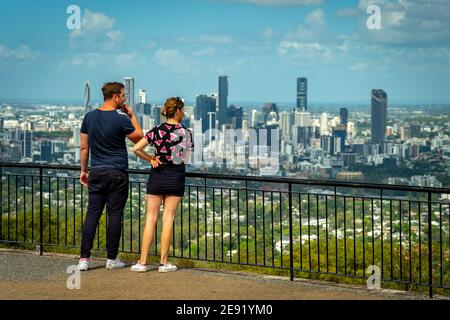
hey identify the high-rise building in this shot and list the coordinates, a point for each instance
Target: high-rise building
(286, 124)
(302, 119)
(46, 150)
(254, 118)
(235, 116)
(269, 109)
(339, 133)
(87, 96)
(302, 94)
(129, 90)
(27, 138)
(379, 116)
(142, 96)
(204, 105)
(223, 100)
(344, 115)
(324, 124)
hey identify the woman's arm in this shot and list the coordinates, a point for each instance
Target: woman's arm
(138, 150)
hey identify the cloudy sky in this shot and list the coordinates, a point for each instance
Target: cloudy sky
(181, 47)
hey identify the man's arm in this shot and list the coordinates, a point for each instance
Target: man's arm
(84, 158)
(137, 134)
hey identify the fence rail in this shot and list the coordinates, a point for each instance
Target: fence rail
(321, 227)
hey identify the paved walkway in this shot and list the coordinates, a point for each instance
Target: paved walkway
(26, 275)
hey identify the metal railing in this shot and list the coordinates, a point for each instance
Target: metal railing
(320, 227)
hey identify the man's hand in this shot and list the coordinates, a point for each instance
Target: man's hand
(84, 178)
(154, 162)
(128, 110)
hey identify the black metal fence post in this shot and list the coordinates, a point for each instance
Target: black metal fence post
(291, 249)
(41, 227)
(430, 249)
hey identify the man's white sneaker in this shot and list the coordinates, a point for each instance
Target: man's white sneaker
(83, 265)
(168, 267)
(114, 264)
(139, 267)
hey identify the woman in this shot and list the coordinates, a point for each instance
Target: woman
(172, 142)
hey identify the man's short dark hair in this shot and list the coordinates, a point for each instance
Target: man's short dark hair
(111, 88)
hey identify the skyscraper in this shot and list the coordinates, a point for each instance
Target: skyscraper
(223, 100)
(27, 138)
(46, 150)
(379, 116)
(203, 106)
(302, 94)
(343, 112)
(129, 90)
(268, 109)
(87, 96)
(142, 96)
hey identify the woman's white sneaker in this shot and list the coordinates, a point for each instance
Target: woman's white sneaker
(168, 267)
(139, 267)
(83, 265)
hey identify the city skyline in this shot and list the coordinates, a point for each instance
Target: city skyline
(327, 42)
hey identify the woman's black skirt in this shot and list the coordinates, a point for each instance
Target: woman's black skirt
(167, 179)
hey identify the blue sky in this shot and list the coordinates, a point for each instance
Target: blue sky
(179, 48)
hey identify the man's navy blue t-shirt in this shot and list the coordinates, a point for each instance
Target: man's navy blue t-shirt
(107, 131)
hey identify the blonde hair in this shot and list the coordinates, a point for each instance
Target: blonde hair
(171, 106)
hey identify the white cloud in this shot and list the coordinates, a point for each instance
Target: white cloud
(279, 2)
(89, 59)
(316, 18)
(125, 60)
(347, 12)
(358, 67)
(313, 30)
(302, 53)
(96, 32)
(208, 39)
(204, 52)
(173, 60)
(268, 33)
(20, 55)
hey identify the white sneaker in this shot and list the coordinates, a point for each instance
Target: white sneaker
(168, 267)
(114, 264)
(138, 267)
(83, 265)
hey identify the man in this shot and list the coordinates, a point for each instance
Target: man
(103, 133)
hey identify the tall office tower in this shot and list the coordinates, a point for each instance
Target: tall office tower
(46, 150)
(235, 116)
(324, 124)
(302, 94)
(302, 119)
(87, 96)
(268, 109)
(254, 118)
(203, 106)
(129, 90)
(142, 96)
(303, 135)
(339, 133)
(27, 138)
(223, 100)
(379, 116)
(286, 123)
(343, 112)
